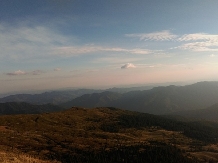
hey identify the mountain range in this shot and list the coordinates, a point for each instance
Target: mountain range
(54, 97)
(158, 100)
(61, 96)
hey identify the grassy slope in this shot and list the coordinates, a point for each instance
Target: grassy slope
(77, 133)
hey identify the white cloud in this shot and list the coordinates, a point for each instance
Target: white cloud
(18, 72)
(212, 55)
(155, 36)
(199, 37)
(200, 42)
(128, 65)
(202, 46)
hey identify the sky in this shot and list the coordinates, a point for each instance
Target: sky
(54, 44)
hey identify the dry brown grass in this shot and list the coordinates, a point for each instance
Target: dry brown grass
(9, 157)
(37, 137)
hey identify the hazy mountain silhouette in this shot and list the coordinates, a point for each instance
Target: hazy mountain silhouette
(54, 97)
(57, 97)
(159, 100)
(94, 100)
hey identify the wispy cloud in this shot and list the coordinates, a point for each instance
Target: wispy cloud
(212, 55)
(165, 35)
(57, 69)
(198, 37)
(128, 65)
(15, 73)
(200, 42)
(19, 72)
(202, 46)
(23, 42)
(87, 49)
(116, 60)
(36, 72)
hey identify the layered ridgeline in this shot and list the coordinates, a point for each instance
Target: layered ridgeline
(57, 97)
(108, 135)
(53, 97)
(12, 108)
(159, 100)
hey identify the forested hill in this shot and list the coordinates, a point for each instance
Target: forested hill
(12, 108)
(159, 100)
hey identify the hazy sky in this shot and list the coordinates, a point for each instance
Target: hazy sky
(51, 44)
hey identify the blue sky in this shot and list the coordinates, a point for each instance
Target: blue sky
(52, 44)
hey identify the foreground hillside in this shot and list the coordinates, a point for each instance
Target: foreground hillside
(108, 135)
(159, 100)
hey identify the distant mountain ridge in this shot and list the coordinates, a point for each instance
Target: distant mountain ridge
(94, 100)
(58, 97)
(159, 100)
(54, 97)
(12, 108)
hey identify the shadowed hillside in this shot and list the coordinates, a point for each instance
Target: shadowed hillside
(12, 108)
(210, 113)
